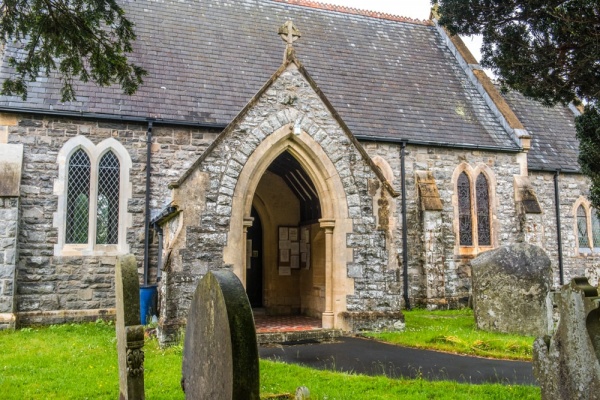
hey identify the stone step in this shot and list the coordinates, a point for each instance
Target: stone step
(318, 335)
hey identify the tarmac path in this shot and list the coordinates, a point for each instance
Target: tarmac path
(370, 357)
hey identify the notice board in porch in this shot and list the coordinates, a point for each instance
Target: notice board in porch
(293, 250)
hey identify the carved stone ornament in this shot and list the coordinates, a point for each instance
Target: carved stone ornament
(384, 211)
(135, 361)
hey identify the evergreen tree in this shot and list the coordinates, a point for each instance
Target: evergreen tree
(548, 50)
(84, 39)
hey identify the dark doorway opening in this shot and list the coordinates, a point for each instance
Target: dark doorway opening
(254, 274)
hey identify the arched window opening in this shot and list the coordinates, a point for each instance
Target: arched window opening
(595, 229)
(582, 229)
(107, 225)
(483, 211)
(464, 210)
(78, 198)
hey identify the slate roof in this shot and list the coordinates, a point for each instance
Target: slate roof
(554, 144)
(386, 78)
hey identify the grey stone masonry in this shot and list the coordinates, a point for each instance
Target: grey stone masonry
(541, 228)
(289, 100)
(52, 288)
(439, 272)
(11, 167)
(9, 219)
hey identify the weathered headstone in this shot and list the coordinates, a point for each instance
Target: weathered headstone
(510, 290)
(130, 333)
(567, 365)
(220, 354)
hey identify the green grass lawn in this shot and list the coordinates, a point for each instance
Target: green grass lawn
(454, 331)
(79, 361)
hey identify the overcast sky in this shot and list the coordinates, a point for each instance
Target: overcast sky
(418, 9)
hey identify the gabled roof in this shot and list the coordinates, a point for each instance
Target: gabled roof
(554, 144)
(290, 58)
(387, 77)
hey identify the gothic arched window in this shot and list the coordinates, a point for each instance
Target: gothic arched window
(107, 219)
(595, 229)
(483, 211)
(465, 220)
(93, 189)
(582, 228)
(473, 208)
(78, 198)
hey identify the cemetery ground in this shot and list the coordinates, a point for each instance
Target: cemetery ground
(79, 361)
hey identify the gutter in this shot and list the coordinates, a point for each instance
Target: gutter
(439, 144)
(111, 117)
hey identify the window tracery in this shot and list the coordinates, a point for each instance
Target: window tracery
(587, 226)
(93, 189)
(473, 208)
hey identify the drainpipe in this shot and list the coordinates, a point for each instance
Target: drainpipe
(558, 234)
(404, 227)
(147, 222)
(159, 230)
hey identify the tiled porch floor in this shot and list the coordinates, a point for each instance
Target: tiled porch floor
(285, 323)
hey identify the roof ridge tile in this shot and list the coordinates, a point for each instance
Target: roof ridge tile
(354, 11)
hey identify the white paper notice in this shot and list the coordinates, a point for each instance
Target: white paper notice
(294, 234)
(295, 247)
(295, 262)
(283, 233)
(285, 271)
(284, 256)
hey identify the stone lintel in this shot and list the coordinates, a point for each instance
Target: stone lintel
(429, 195)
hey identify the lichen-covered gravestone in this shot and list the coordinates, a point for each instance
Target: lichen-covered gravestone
(567, 365)
(130, 334)
(220, 354)
(510, 290)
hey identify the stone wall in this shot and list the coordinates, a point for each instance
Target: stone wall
(432, 234)
(51, 288)
(9, 218)
(543, 233)
(289, 101)
(11, 168)
(54, 289)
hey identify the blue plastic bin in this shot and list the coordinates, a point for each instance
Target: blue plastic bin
(147, 302)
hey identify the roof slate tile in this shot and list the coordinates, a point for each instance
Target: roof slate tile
(385, 77)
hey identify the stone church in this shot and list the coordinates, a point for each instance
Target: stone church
(345, 164)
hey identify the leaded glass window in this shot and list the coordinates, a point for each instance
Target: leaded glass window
(582, 229)
(595, 229)
(483, 211)
(107, 222)
(465, 222)
(78, 198)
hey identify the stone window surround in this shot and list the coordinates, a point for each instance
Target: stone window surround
(472, 174)
(587, 206)
(95, 152)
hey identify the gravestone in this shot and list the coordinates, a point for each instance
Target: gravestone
(220, 353)
(510, 290)
(567, 365)
(130, 333)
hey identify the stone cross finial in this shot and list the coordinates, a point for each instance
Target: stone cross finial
(289, 34)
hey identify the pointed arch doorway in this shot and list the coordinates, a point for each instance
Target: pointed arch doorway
(259, 185)
(286, 210)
